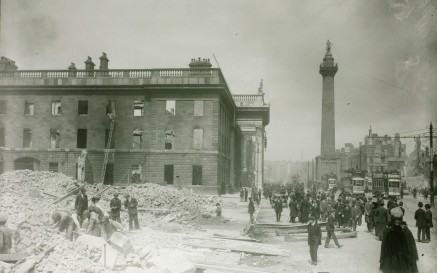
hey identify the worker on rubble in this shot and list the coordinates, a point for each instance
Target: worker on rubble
(91, 223)
(109, 227)
(6, 235)
(81, 204)
(131, 205)
(64, 221)
(115, 205)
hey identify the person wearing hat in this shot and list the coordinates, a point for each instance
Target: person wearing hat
(428, 223)
(419, 216)
(381, 219)
(115, 205)
(64, 222)
(251, 209)
(81, 203)
(92, 224)
(6, 235)
(278, 208)
(314, 238)
(368, 214)
(398, 248)
(131, 204)
(330, 228)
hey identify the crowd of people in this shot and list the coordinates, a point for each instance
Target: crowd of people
(384, 219)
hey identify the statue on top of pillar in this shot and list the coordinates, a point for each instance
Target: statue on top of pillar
(328, 47)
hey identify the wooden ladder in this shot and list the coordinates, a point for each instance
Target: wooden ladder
(108, 144)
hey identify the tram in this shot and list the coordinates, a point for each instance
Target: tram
(378, 185)
(368, 183)
(393, 185)
(358, 184)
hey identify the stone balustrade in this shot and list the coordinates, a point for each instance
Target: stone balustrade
(113, 76)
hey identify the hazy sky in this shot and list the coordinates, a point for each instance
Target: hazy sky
(386, 53)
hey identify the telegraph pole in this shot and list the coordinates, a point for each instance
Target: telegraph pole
(431, 178)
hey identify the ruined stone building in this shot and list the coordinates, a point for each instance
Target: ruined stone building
(176, 126)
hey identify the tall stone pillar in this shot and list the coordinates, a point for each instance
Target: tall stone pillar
(328, 70)
(259, 158)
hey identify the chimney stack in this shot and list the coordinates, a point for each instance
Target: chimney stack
(7, 65)
(104, 62)
(89, 65)
(72, 70)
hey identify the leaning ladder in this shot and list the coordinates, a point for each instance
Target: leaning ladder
(108, 144)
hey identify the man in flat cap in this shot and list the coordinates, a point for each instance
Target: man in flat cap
(419, 216)
(398, 248)
(428, 223)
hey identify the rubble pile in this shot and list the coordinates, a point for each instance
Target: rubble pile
(29, 210)
(163, 200)
(72, 257)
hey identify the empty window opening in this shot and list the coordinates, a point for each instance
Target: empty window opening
(198, 108)
(27, 138)
(137, 171)
(53, 167)
(198, 139)
(168, 173)
(56, 108)
(82, 107)
(29, 108)
(169, 139)
(138, 108)
(2, 137)
(197, 175)
(170, 107)
(109, 174)
(110, 107)
(55, 138)
(3, 106)
(107, 132)
(81, 138)
(137, 139)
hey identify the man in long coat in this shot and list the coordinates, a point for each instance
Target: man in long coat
(251, 209)
(314, 238)
(304, 210)
(419, 216)
(81, 204)
(294, 211)
(381, 220)
(368, 212)
(398, 248)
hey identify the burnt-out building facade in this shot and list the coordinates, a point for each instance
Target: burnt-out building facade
(118, 126)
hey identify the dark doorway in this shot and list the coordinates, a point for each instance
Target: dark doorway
(197, 174)
(109, 174)
(28, 163)
(168, 173)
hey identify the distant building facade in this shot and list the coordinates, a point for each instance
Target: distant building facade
(173, 126)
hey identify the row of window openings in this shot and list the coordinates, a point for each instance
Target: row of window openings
(82, 109)
(55, 138)
(137, 173)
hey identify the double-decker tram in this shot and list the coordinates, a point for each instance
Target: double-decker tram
(358, 184)
(393, 185)
(369, 183)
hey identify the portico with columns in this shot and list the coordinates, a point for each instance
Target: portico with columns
(252, 116)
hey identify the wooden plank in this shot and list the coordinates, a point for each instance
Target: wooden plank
(70, 193)
(13, 258)
(220, 236)
(300, 238)
(227, 268)
(300, 231)
(252, 251)
(50, 194)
